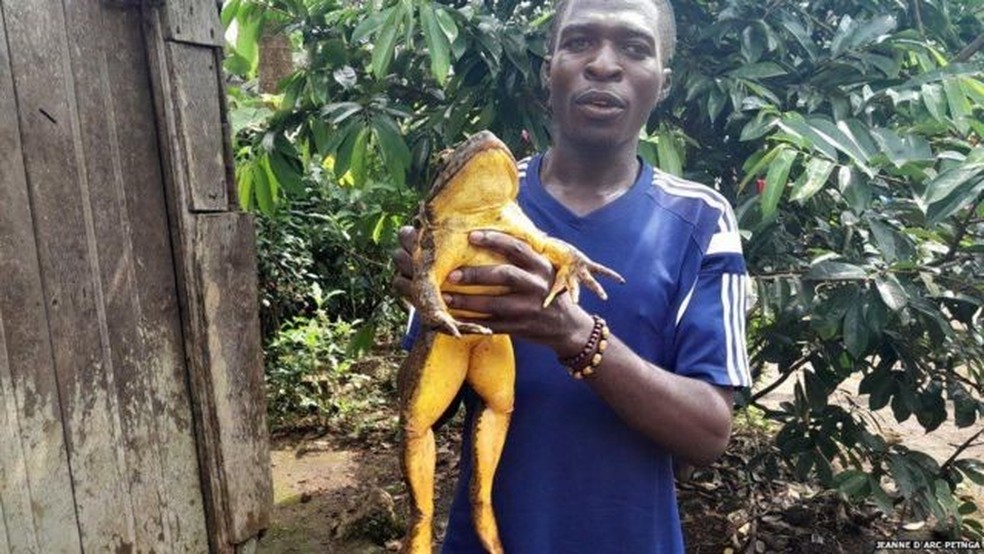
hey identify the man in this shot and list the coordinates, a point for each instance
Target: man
(588, 463)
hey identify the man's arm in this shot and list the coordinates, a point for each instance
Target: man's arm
(689, 417)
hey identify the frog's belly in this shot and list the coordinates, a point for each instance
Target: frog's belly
(476, 257)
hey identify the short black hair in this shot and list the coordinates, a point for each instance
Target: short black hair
(665, 28)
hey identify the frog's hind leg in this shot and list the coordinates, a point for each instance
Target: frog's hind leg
(492, 374)
(429, 381)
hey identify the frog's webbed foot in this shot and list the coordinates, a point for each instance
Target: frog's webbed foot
(580, 269)
(443, 321)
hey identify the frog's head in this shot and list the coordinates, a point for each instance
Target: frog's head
(479, 174)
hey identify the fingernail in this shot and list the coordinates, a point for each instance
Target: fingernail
(455, 276)
(477, 236)
(448, 299)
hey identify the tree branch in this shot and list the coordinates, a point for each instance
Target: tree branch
(962, 228)
(970, 50)
(782, 378)
(918, 16)
(966, 444)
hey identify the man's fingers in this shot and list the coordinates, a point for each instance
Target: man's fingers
(407, 236)
(401, 286)
(518, 252)
(404, 263)
(505, 275)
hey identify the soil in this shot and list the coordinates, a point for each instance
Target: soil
(338, 494)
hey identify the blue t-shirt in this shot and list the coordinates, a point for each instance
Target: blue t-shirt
(573, 476)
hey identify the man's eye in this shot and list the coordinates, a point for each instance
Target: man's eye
(577, 44)
(638, 49)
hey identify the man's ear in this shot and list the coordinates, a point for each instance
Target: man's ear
(545, 73)
(667, 84)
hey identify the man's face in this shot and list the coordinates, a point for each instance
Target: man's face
(606, 74)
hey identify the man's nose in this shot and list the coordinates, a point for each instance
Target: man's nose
(605, 65)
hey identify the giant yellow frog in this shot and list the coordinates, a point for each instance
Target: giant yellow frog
(476, 189)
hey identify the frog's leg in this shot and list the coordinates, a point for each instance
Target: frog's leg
(430, 271)
(492, 374)
(571, 265)
(429, 380)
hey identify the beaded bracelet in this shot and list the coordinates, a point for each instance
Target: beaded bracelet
(584, 363)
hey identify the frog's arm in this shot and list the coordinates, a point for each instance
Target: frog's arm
(571, 265)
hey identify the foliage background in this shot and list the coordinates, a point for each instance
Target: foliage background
(847, 133)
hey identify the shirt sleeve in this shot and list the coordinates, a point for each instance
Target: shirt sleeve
(710, 331)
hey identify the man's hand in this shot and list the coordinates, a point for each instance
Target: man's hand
(403, 258)
(527, 276)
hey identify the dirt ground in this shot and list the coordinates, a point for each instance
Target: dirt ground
(338, 495)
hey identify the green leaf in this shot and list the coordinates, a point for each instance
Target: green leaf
(229, 12)
(891, 292)
(799, 32)
(892, 145)
(286, 173)
(751, 45)
(370, 25)
(953, 189)
(244, 182)
(836, 136)
(881, 498)
(377, 230)
(835, 271)
(248, 38)
(395, 152)
(669, 156)
(438, 46)
(892, 244)
(856, 191)
(263, 188)
(870, 31)
(853, 483)
(974, 90)
(932, 95)
(795, 124)
(762, 70)
(447, 24)
(383, 49)
(343, 158)
(775, 180)
(972, 469)
(359, 151)
(761, 124)
(841, 40)
(812, 179)
(855, 331)
(957, 101)
(760, 165)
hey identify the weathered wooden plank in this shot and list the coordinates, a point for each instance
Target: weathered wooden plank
(16, 522)
(41, 57)
(194, 21)
(195, 80)
(35, 455)
(146, 370)
(236, 517)
(181, 224)
(161, 364)
(225, 263)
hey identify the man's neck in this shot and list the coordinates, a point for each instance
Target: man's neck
(585, 181)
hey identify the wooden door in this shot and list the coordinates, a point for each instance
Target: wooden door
(97, 435)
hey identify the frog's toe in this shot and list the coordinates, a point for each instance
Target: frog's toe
(474, 328)
(444, 322)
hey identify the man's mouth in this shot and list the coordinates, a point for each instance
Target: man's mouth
(600, 99)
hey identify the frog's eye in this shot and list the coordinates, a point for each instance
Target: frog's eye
(443, 157)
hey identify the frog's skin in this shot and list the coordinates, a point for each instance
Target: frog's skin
(475, 190)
